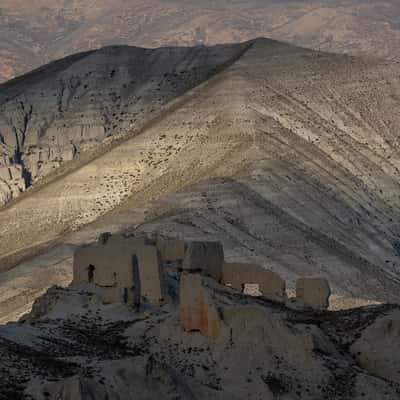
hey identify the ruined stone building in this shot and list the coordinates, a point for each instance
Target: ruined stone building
(132, 270)
(124, 269)
(270, 284)
(313, 292)
(171, 249)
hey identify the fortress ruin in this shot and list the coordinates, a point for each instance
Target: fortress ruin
(270, 284)
(124, 269)
(133, 270)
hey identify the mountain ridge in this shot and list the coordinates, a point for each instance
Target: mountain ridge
(9, 124)
(296, 135)
(50, 30)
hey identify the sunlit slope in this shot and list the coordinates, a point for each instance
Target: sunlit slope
(309, 143)
(182, 145)
(57, 113)
(318, 137)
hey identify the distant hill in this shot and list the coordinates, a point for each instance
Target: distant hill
(36, 32)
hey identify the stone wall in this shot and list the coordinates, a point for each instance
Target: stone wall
(197, 309)
(205, 257)
(151, 274)
(271, 285)
(110, 263)
(128, 269)
(171, 249)
(313, 292)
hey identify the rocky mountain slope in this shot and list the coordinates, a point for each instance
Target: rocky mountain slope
(54, 114)
(36, 32)
(287, 155)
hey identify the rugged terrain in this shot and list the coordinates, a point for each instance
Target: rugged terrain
(73, 347)
(54, 114)
(36, 32)
(287, 155)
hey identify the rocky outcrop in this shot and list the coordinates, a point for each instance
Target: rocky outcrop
(76, 388)
(12, 181)
(141, 378)
(44, 304)
(378, 348)
(212, 343)
(246, 349)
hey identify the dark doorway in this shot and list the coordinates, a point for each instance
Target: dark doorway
(91, 269)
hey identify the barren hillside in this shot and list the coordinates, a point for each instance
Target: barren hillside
(287, 155)
(62, 111)
(35, 32)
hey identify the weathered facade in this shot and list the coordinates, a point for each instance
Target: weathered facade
(313, 292)
(205, 257)
(171, 249)
(197, 309)
(271, 285)
(125, 268)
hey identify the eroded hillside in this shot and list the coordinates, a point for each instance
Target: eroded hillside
(289, 153)
(52, 115)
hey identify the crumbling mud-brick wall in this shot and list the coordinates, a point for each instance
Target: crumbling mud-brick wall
(115, 294)
(150, 273)
(111, 263)
(197, 309)
(205, 257)
(271, 285)
(105, 264)
(313, 292)
(171, 249)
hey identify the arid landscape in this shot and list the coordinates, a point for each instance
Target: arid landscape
(36, 32)
(298, 170)
(252, 185)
